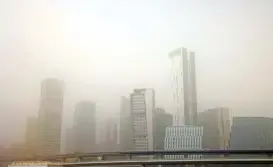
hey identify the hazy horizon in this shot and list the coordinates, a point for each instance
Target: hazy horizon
(104, 49)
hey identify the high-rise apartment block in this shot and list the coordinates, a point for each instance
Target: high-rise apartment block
(184, 86)
(84, 127)
(217, 127)
(142, 107)
(50, 117)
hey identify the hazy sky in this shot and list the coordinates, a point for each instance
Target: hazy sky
(104, 49)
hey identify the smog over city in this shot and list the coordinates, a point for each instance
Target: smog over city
(86, 76)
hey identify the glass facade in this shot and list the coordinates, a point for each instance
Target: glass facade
(184, 87)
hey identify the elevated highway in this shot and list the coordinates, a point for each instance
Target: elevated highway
(132, 158)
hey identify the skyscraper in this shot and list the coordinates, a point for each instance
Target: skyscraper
(184, 134)
(192, 88)
(142, 107)
(50, 116)
(216, 124)
(84, 127)
(184, 86)
(125, 125)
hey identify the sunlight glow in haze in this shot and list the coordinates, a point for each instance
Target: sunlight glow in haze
(104, 49)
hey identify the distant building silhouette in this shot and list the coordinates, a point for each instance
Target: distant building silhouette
(184, 86)
(216, 125)
(125, 125)
(69, 141)
(3, 151)
(161, 120)
(84, 127)
(31, 136)
(142, 107)
(50, 117)
(251, 133)
(17, 150)
(112, 134)
(109, 143)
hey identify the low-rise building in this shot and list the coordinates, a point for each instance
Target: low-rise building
(185, 137)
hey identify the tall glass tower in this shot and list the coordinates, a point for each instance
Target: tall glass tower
(184, 86)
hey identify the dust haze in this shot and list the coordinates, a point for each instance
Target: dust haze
(104, 49)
